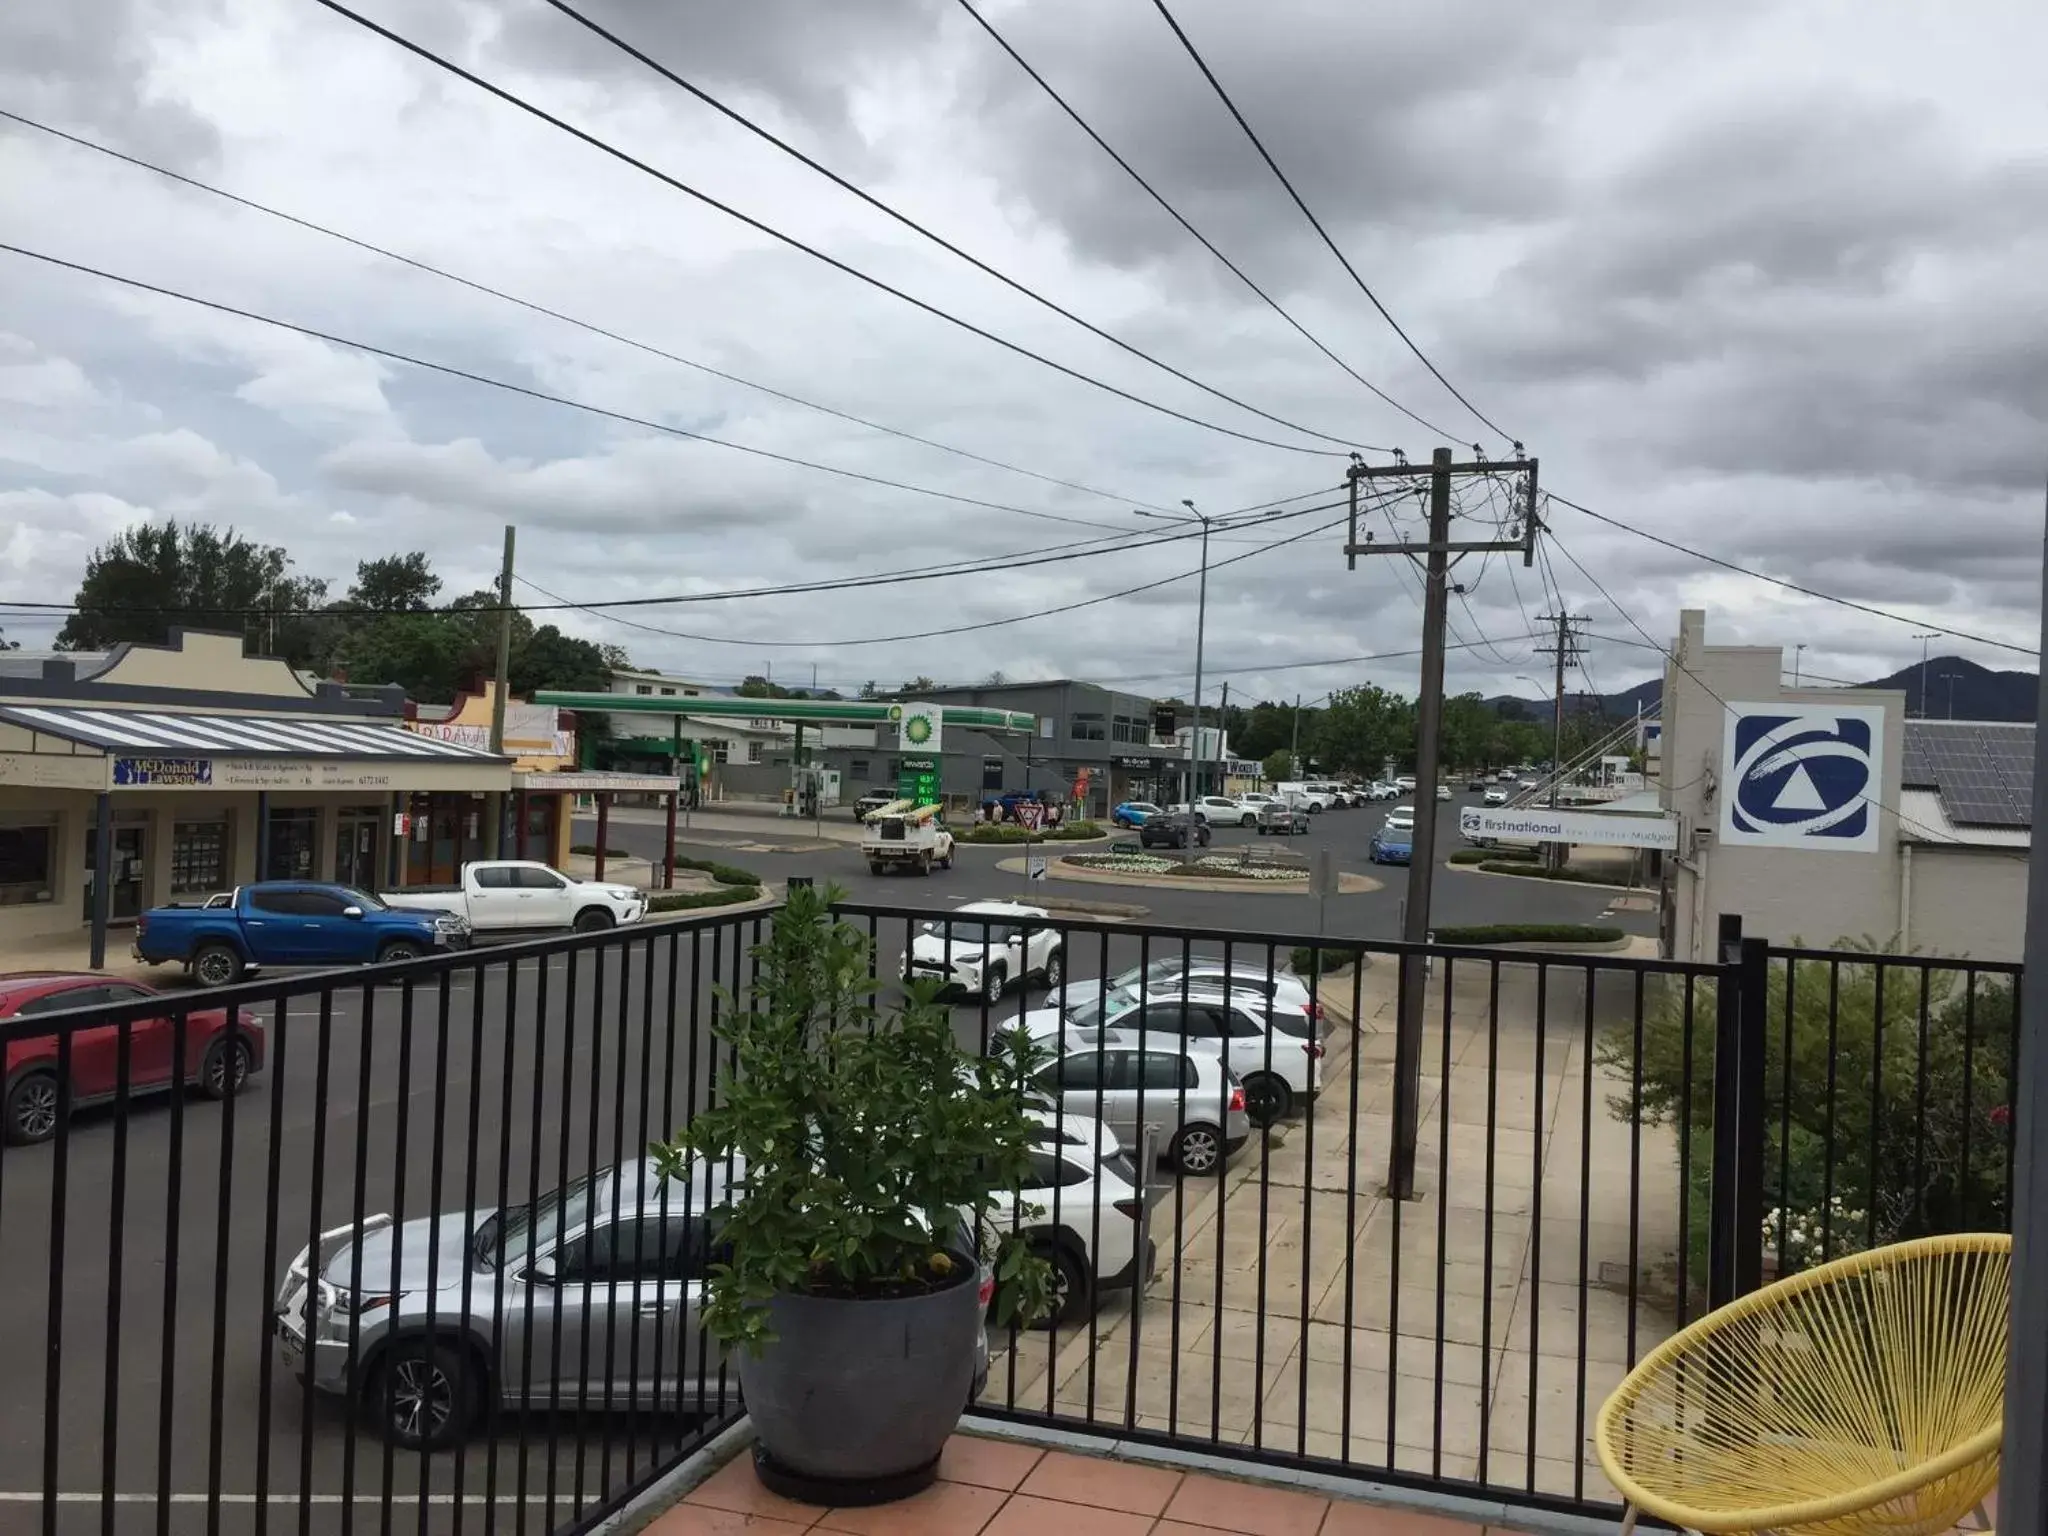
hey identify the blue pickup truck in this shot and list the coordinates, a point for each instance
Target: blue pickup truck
(290, 923)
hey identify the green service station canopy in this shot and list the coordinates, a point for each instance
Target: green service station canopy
(918, 725)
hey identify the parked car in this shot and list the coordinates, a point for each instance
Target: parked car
(1337, 795)
(986, 946)
(608, 1268)
(1505, 776)
(1257, 802)
(1079, 1210)
(1133, 813)
(1279, 1071)
(1287, 992)
(1379, 789)
(1494, 796)
(520, 896)
(1400, 819)
(1476, 787)
(217, 1058)
(1173, 829)
(1192, 1096)
(871, 802)
(1443, 791)
(290, 923)
(1283, 818)
(1392, 845)
(1221, 810)
(1314, 796)
(1525, 784)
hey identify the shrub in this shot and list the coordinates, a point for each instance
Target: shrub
(686, 901)
(1887, 1110)
(1535, 871)
(1471, 856)
(1306, 961)
(1077, 831)
(589, 850)
(991, 832)
(1530, 933)
(725, 874)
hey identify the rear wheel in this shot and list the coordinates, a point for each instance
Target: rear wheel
(591, 919)
(1267, 1099)
(876, 867)
(33, 1101)
(924, 864)
(1069, 1286)
(1198, 1149)
(224, 1067)
(217, 965)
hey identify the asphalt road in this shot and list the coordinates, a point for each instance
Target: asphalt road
(178, 1219)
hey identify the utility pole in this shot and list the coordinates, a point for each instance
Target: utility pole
(1799, 654)
(1294, 748)
(1436, 558)
(1222, 718)
(1201, 625)
(1567, 652)
(1926, 704)
(504, 668)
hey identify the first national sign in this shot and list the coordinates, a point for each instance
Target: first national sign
(1590, 827)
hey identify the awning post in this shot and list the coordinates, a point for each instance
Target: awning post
(102, 876)
(604, 806)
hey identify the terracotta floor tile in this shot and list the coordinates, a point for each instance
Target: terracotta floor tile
(944, 1509)
(1102, 1483)
(735, 1487)
(1026, 1516)
(1377, 1520)
(703, 1520)
(987, 1463)
(1247, 1508)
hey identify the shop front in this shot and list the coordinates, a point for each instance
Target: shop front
(1139, 777)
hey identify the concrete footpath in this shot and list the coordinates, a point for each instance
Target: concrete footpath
(1317, 1314)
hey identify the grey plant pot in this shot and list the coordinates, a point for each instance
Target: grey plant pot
(864, 1391)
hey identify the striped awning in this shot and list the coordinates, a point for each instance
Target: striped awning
(123, 730)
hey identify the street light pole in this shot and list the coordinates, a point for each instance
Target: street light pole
(1798, 651)
(1201, 625)
(1926, 706)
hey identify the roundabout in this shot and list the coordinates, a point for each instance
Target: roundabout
(1212, 872)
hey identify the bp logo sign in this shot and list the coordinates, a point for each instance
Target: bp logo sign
(1803, 776)
(916, 724)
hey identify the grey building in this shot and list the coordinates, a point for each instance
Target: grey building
(1824, 813)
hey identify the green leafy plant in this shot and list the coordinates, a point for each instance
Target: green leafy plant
(690, 901)
(589, 850)
(1305, 961)
(860, 1140)
(1536, 871)
(724, 874)
(1492, 855)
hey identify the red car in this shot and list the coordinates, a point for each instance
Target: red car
(217, 1060)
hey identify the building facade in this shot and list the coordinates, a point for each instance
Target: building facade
(196, 768)
(1821, 814)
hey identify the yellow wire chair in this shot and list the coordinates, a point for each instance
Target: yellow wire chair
(1861, 1398)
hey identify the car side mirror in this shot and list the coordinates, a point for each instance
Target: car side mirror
(352, 912)
(542, 1270)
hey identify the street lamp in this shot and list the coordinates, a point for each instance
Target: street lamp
(1201, 623)
(1926, 708)
(1798, 651)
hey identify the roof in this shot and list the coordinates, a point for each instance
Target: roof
(1923, 819)
(1981, 771)
(122, 730)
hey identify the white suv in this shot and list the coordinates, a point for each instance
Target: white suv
(1079, 1212)
(1221, 810)
(984, 947)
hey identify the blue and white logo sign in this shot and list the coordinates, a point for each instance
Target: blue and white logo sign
(1803, 776)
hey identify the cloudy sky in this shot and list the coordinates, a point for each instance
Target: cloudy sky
(1769, 278)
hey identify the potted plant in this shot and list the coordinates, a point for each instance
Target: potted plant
(864, 1150)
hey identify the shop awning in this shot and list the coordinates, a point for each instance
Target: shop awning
(138, 731)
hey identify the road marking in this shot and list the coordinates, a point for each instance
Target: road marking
(371, 1496)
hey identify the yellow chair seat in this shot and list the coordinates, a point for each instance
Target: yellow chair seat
(1862, 1398)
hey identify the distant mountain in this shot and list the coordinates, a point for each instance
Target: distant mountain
(1957, 689)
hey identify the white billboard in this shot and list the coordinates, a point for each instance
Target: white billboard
(919, 727)
(1539, 824)
(1802, 776)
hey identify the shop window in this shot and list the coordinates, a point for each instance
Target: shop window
(26, 869)
(643, 688)
(857, 768)
(721, 751)
(199, 858)
(293, 834)
(1088, 728)
(1126, 728)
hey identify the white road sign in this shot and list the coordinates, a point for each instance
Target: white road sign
(1539, 824)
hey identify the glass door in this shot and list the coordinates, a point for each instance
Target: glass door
(130, 846)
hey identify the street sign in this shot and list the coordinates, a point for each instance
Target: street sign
(1538, 825)
(1034, 868)
(1031, 814)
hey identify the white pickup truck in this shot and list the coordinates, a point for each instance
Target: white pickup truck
(520, 896)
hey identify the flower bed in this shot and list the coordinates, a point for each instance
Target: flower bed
(1208, 867)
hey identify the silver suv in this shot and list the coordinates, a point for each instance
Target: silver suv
(590, 1296)
(1192, 1096)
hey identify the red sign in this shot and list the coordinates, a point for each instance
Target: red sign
(1081, 784)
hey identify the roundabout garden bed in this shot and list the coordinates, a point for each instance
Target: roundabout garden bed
(1209, 866)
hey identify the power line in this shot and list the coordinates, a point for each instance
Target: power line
(539, 394)
(986, 624)
(555, 314)
(791, 241)
(1363, 287)
(1792, 586)
(1295, 666)
(1175, 214)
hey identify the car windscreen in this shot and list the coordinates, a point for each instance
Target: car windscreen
(1105, 1007)
(961, 933)
(530, 1229)
(361, 899)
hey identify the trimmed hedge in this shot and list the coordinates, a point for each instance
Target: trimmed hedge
(589, 851)
(1306, 961)
(1530, 933)
(1503, 855)
(685, 901)
(1534, 871)
(725, 874)
(1010, 832)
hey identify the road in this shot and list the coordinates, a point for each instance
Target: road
(462, 1092)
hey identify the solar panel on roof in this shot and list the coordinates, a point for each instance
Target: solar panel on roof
(1984, 774)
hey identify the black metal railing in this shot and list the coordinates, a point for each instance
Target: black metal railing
(1604, 1146)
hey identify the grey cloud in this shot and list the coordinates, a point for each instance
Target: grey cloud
(86, 62)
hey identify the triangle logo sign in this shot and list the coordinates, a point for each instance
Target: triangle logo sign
(1799, 793)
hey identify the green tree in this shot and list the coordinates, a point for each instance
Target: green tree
(424, 653)
(917, 685)
(1471, 733)
(478, 615)
(1266, 727)
(395, 584)
(870, 690)
(551, 659)
(1361, 726)
(1278, 766)
(155, 577)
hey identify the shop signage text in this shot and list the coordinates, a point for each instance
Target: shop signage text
(1590, 827)
(164, 772)
(296, 773)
